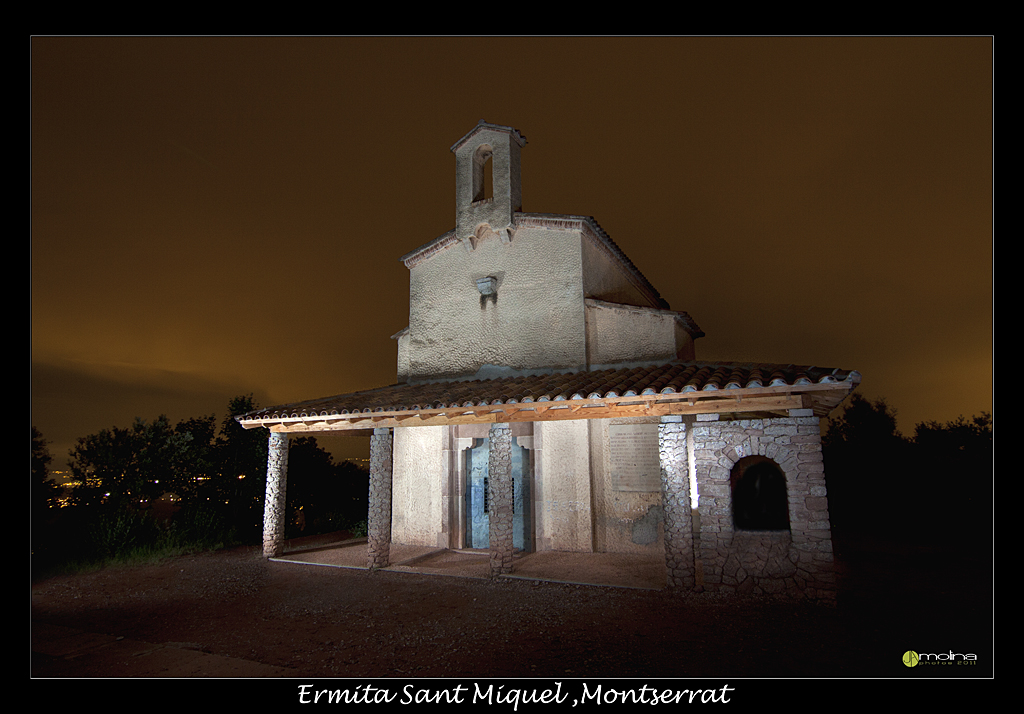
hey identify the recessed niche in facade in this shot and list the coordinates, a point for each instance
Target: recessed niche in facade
(759, 498)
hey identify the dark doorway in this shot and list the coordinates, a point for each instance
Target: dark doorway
(759, 498)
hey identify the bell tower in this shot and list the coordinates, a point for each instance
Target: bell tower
(487, 184)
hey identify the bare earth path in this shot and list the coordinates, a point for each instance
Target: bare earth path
(234, 614)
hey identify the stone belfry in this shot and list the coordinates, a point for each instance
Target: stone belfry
(487, 157)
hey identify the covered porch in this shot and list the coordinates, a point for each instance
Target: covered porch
(709, 417)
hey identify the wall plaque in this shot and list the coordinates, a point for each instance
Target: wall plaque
(634, 457)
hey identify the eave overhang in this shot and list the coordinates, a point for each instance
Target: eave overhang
(729, 390)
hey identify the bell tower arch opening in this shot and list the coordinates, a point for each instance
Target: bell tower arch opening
(488, 186)
(483, 177)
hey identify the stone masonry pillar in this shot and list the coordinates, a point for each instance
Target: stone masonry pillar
(378, 522)
(274, 504)
(675, 500)
(499, 478)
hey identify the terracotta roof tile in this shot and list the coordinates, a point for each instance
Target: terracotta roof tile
(669, 378)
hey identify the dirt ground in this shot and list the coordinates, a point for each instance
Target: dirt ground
(234, 614)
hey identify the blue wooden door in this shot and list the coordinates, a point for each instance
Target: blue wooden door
(478, 499)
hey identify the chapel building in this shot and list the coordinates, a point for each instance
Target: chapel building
(547, 398)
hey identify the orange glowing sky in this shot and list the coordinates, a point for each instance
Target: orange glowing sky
(218, 216)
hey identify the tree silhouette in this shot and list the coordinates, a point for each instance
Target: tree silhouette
(45, 493)
(953, 462)
(194, 464)
(933, 488)
(129, 468)
(237, 485)
(866, 466)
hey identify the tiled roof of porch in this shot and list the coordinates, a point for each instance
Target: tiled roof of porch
(647, 390)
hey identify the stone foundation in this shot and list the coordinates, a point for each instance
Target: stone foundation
(759, 562)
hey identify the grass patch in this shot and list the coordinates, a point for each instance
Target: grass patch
(85, 542)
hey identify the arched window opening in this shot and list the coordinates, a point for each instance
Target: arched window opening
(483, 181)
(759, 499)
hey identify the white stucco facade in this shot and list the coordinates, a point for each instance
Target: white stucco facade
(532, 320)
(509, 292)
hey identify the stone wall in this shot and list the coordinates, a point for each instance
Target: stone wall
(797, 562)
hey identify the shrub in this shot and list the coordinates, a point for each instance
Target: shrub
(122, 535)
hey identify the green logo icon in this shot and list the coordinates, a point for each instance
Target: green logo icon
(910, 658)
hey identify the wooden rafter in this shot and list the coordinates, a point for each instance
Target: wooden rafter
(821, 398)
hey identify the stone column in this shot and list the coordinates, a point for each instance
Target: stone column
(809, 520)
(499, 478)
(675, 500)
(378, 522)
(714, 494)
(274, 504)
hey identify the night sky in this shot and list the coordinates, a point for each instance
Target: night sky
(218, 216)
